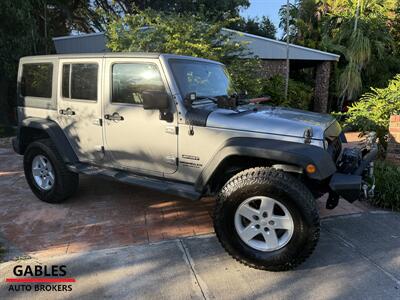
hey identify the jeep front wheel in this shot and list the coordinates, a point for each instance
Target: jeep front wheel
(267, 219)
(46, 173)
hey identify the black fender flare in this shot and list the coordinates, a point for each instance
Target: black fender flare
(275, 150)
(55, 133)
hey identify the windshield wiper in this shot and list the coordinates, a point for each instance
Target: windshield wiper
(217, 100)
(213, 99)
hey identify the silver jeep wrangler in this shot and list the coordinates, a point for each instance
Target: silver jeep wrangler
(175, 124)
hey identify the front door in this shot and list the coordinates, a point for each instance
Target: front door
(136, 139)
(79, 106)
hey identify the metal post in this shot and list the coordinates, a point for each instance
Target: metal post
(287, 49)
(45, 27)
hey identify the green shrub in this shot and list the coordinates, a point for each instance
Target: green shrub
(373, 111)
(299, 94)
(245, 76)
(387, 186)
(6, 131)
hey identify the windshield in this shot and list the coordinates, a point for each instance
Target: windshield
(203, 78)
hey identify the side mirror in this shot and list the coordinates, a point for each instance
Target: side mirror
(155, 100)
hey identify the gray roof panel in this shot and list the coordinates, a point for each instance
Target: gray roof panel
(266, 48)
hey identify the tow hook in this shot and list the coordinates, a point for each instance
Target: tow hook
(369, 187)
(332, 201)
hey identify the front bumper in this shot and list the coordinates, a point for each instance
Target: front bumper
(349, 186)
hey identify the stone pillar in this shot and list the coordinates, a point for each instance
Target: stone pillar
(272, 68)
(393, 150)
(322, 75)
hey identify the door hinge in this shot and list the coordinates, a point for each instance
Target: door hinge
(172, 130)
(191, 130)
(98, 122)
(100, 148)
(172, 160)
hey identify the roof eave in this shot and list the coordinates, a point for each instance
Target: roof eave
(332, 56)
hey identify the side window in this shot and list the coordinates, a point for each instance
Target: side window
(84, 81)
(130, 80)
(65, 80)
(37, 80)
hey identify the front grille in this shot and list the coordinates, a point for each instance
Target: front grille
(335, 148)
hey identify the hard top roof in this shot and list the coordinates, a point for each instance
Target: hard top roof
(114, 55)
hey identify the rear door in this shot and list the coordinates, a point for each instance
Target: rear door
(135, 138)
(79, 106)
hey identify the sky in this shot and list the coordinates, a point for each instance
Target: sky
(269, 8)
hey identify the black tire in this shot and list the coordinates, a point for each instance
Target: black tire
(285, 189)
(66, 182)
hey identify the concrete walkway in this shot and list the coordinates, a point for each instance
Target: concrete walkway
(358, 257)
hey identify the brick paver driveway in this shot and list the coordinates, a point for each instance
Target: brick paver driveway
(103, 214)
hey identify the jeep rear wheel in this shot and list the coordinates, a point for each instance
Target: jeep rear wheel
(46, 173)
(267, 219)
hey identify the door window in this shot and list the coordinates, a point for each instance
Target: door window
(129, 80)
(79, 81)
(84, 81)
(65, 80)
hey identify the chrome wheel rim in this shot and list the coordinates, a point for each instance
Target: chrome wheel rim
(43, 173)
(263, 223)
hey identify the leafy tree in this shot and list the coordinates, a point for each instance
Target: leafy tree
(361, 35)
(356, 29)
(262, 27)
(305, 22)
(26, 28)
(153, 31)
(394, 25)
(373, 111)
(211, 9)
(17, 35)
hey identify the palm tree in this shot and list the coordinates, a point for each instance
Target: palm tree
(357, 31)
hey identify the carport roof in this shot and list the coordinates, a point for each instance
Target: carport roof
(266, 48)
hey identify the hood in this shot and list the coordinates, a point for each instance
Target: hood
(271, 120)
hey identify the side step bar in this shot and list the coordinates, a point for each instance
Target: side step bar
(162, 185)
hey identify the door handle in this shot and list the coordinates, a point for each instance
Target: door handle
(67, 112)
(114, 117)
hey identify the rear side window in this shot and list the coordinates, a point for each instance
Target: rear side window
(83, 81)
(37, 80)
